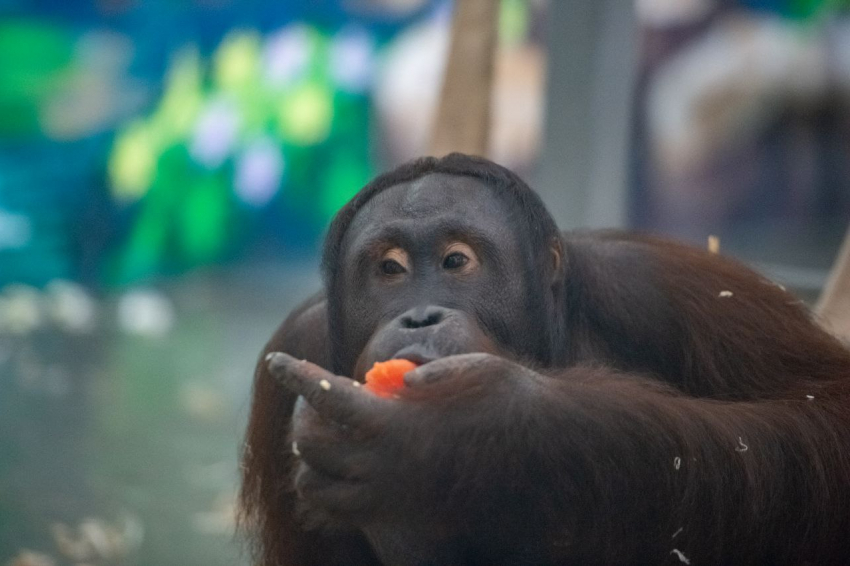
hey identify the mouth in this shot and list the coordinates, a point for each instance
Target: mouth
(419, 354)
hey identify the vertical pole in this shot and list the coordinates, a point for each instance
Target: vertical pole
(592, 55)
(463, 114)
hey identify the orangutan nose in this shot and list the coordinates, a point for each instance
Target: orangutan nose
(422, 317)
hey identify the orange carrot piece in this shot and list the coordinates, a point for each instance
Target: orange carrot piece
(387, 378)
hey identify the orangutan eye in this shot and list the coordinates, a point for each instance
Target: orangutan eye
(455, 261)
(391, 267)
(394, 262)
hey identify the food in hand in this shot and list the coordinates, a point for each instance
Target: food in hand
(386, 379)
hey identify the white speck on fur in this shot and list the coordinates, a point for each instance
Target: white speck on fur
(356, 383)
(295, 449)
(810, 397)
(677, 462)
(713, 245)
(325, 384)
(741, 446)
(682, 558)
(725, 294)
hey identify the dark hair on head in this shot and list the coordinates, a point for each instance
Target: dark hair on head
(529, 207)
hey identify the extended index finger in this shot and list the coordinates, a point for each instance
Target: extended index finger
(334, 397)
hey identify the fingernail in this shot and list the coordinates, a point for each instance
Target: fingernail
(275, 359)
(413, 378)
(420, 377)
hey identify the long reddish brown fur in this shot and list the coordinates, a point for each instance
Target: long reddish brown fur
(724, 371)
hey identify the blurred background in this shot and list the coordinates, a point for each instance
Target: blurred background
(168, 167)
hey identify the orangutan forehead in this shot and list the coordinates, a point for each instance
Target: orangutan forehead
(435, 211)
(433, 196)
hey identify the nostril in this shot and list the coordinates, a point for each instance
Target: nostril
(421, 319)
(433, 318)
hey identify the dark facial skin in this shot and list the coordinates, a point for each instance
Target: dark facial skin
(434, 270)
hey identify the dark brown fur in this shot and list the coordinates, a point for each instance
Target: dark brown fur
(657, 371)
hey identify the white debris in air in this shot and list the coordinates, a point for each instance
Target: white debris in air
(682, 558)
